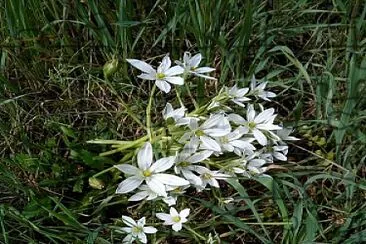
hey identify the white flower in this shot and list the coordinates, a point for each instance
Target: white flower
(238, 95)
(259, 90)
(185, 161)
(277, 152)
(174, 218)
(190, 65)
(209, 177)
(177, 115)
(162, 76)
(174, 192)
(284, 134)
(256, 124)
(233, 142)
(149, 172)
(251, 166)
(215, 126)
(136, 231)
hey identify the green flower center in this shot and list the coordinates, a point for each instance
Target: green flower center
(206, 176)
(199, 133)
(176, 219)
(160, 76)
(184, 164)
(147, 173)
(252, 125)
(136, 230)
(224, 140)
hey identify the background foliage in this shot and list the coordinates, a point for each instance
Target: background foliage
(54, 97)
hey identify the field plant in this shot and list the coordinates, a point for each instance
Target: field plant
(182, 121)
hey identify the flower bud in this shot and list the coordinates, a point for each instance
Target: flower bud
(96, 183)
(110, 67)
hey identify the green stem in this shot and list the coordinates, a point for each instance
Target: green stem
(148, 114)
(194, 232)
(191, 96)
(177, 91)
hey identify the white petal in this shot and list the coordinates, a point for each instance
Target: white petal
(203, 76)
(129, 185)
(250, 113)
(165, 64)
(149, 230)
(263, 116)
(146, 76)
(162, 164)
(128, 221)
(145, 156)
(216, 132)
(127, 169)
(204, 70)
(141, 222)
(173, 212)
(261, 138)
(171, 180)
(177, 226)
(176, 70)
(175, 80)
(237, 119)
(198, 157)
(165, 217)
(184, 213)
(138, 196)
(126, 229)
(191, 177)
(128, 239)
(167, 110)
(156, 185)
(210, 144)
(141, 65)
(142, 237)
(195, 60)
(163, 85)
(212, 121)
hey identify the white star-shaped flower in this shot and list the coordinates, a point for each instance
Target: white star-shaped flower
(237, 95)
(259, 91)
(136, 230)
(164, 74)
(174, 218)
(149, 172)
(190, 65)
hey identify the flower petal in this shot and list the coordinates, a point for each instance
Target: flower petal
(175, 70)
(165, 64)
(142, 237)
(177, 226)
(204, 70)
(156, 185)
(209, 144)
(171, 180)
(165, 217)
(129, 185)
(175, 80)
(145, 156)
(127, 169)
(149, 230)
(138, 196)
(162, 164)
(195, 60)
(184, 213)
(260, 137)
(163, 85)
(141, 65)
(147, 76)
(128, 221)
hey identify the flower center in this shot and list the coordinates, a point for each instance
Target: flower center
(184, 164)
(160, 76)
(193, 68)
(206, 176)
(252, 125)
(176, 219)
(224, 140)
(199, 133)
(136, 230)
(147, 173)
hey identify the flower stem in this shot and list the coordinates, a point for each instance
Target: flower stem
(177, 91)
(148, 113)
(191, 96)
(194, 232)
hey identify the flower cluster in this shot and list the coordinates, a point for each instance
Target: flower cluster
(230, 136)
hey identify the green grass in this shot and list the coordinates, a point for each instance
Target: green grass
(54, 99)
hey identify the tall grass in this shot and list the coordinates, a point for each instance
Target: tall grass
(54, 98)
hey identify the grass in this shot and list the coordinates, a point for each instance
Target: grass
(54, 98)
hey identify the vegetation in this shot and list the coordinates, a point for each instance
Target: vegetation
(56, 96)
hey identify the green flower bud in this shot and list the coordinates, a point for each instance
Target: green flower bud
(110, 67)
(96, 183)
